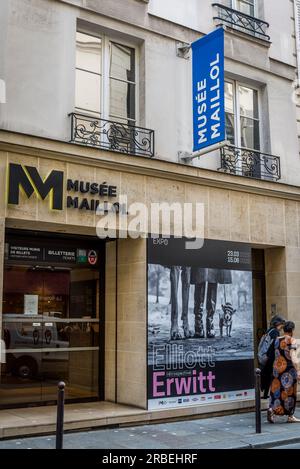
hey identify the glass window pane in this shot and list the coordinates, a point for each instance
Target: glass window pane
(230, 128)
(47, 314)
(229, 101)
(84, 292)
(122, 62)
(122, 99)
(250, 133)
(76, 368)
(122, 120)
(248, 102)
(246, 6)
(88, 52)
(88, 91)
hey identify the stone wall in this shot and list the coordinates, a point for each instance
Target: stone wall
(132, 323)
(126, 322)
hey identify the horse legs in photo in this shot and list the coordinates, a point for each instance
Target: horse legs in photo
(221, 325)
(174, 278)
(198, 309)
(211, 309)
(185, 281)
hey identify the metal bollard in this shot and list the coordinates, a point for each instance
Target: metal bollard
(60, 415)
(257, 400)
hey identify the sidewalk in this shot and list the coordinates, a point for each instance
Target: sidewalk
(227, 432)
(36, 421)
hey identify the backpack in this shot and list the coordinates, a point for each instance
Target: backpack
(264, 345)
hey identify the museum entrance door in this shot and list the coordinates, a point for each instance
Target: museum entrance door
(51, 332)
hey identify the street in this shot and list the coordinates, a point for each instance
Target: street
(235, 431)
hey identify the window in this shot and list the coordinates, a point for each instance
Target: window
(105, 78)
(242, 115)
(244, 6)
(88, 73)
(243, 156)
(122, 84)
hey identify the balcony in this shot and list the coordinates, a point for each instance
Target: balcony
(113, 136)
(241, 22)
(250, 163)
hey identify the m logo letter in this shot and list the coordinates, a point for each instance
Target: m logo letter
(30, 181)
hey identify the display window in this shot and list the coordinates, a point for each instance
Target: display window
(51, 320)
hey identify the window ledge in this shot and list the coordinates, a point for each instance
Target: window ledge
(244, 35)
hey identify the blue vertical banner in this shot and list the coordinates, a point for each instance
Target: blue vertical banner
(208, 90)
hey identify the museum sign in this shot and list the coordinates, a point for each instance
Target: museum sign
(28, 179)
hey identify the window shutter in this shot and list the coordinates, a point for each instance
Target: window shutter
(297, 29)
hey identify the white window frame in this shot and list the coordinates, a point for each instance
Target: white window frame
(234, 6)
(79, 110)
(237, 120)
(237, 114)
(105, 82)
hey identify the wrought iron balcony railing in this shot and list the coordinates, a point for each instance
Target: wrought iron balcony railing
(242, 22)
(110, 135)
(250, 163)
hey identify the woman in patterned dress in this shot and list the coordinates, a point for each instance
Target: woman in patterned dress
(285, 375)
(274, 331)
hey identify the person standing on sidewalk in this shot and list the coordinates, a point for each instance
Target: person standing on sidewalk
(276, 324)
(286, 373)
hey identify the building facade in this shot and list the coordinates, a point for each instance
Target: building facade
(96, 103)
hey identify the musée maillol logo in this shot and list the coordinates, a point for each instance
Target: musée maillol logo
(28, 179)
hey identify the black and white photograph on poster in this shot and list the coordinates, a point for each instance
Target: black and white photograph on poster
(200, 322)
